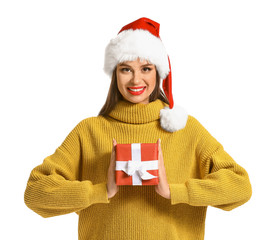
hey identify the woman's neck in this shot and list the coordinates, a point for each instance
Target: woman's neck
(137, 113)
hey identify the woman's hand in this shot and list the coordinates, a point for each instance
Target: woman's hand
(162, 188)
(112, 188)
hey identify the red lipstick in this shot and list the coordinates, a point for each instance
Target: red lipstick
(136, 92)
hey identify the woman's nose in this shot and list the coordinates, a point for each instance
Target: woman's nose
(136, 78)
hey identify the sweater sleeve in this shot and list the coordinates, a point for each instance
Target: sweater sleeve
(54, 187)
(223, 183)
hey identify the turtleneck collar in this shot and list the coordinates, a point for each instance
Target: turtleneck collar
(128, 112)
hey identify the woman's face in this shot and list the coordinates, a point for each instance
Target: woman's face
(136, 80)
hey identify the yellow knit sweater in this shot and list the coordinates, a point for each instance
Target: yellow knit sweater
(199, 172)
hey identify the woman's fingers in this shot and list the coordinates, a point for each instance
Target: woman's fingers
(114, 142)
(162, 188)
(113, 153)
(111, 184)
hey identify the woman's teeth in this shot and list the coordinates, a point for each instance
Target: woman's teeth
(136, 90)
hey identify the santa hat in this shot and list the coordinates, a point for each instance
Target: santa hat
(140, 39)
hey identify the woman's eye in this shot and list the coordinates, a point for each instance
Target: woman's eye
(125, 69)
(146, 69)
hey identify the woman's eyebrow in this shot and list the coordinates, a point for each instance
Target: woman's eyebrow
(126, 65)
(148, 64)
(123, 64)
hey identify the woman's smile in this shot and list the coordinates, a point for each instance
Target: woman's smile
(136, 90)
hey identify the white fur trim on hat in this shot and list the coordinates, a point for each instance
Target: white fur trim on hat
(173, 119)
(132, 44)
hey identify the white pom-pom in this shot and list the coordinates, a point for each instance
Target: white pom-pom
(173, 119)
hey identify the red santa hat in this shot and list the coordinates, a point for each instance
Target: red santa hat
(140, 39)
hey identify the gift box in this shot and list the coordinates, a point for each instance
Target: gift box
(137, 164)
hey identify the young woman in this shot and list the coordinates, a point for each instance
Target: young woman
(194, 169)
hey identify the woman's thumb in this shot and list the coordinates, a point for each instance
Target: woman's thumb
(114, 142)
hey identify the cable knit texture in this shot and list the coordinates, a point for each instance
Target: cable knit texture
(199, 172)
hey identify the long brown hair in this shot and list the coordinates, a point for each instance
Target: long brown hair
(114, 94)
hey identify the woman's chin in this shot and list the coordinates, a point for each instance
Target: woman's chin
(136, 100)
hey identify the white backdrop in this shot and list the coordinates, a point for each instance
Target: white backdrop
(51, 72)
